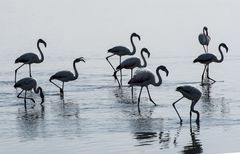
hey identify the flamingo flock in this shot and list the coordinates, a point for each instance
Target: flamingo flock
(142, 77)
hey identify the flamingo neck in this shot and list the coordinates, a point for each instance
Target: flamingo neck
(144, 60)
(159, 79)
(222, 57)
(75, 70)
(37, 90)
(133, 46)
(39, 49)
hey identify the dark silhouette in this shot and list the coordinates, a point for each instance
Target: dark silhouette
(208, 58)
(30, 58)
(204, 39)
(66, 76)
(132, 63)
(122, 51)
(27, 84)
(144, 78)
(192, 94)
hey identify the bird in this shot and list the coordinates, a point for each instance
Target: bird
(204, 39)
(66, 76)
(30, 58)
(192, 94)
(133, 62)
(27, 84)
(122, 51)
(208, 58)
(144, 78)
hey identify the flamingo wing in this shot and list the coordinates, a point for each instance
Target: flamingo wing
(129, 63)
(141, 76)
(63, 76)
(119, 50)
(27, 58)
(205, 58)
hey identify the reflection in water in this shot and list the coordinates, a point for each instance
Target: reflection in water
(124, 95)
(206, 91)
(30, 122)
(195, 145)
(149, 138)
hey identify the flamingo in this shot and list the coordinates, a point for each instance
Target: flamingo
(66, 76)
(30, 58)
(133, 62)
(204, 39)
(122, 51)
(27, 84)
(208, 58)
(144, 78)
(192, 94)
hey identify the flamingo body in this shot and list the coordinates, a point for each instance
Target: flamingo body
(144, 78)
(27, 84)
(192, 94)
(30, 58)
(204, 39)
(133, 62)
(120, 51)
(208, 58)
(66, 76)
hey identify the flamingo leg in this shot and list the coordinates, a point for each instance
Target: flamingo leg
(30, 71)
(56, 86)
(16, 72)
(62, 92)
(150, 96)
(131, 73)
(115, 76)
(208, 75)
(204, 49)
(176, 109)
(203, 73)
(120, 58)
(139, 96)
(18, 96)
(110, 62)
(132, 86)
(195, 111)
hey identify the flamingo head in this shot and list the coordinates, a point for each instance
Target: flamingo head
(146, 50)
(43, 42)
(225, 46)
(136, 35)
(79, 59)
(205, 29)
(179, 89)
(163, 68)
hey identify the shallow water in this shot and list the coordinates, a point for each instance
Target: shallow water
(96, 116)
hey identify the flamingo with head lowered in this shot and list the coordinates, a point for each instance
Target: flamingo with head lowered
(30, 58)
(66, 76)
(122, 51)
(133, 62)
(208, 58)
(192, 94)
(144, 78)
(27, 84)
